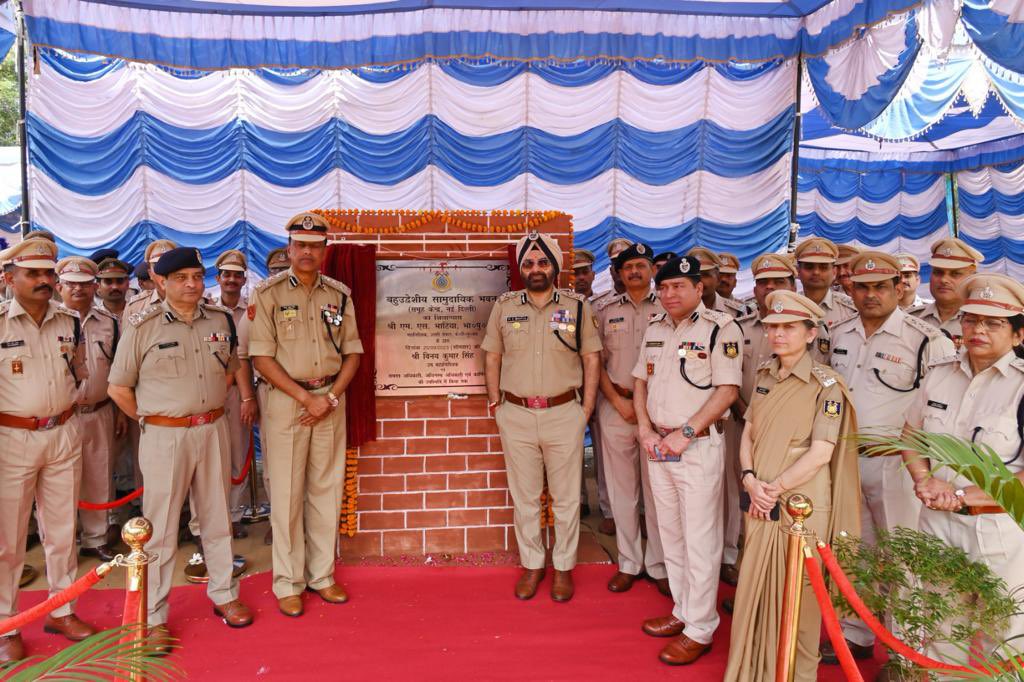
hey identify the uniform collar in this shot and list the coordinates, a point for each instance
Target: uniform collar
(828, 302)
(241, 305)
(802, 369)
(689, 319)
(293, 280)
(649, 298)
(524, 298)
(1002, 365)
(892, 325)
(168, 314)
(15, 309)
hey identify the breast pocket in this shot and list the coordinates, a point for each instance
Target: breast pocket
(515, 338)
(937, 418)
(615, 336)
(892, 376)
(167, 363)
(14, 363)
(697, 369)
(1000, 434)
(218, 353)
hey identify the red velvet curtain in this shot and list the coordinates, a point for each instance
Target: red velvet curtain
(356, 266)
(515, 281)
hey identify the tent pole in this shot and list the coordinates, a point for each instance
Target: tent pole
(954, 194)
(796, 153)
(22, 113)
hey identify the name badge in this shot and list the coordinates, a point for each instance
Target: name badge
(289, 312)
(937, 405)
(762, 390)
(838, 351)
(169, 344)
(654, 344)
(13, 344)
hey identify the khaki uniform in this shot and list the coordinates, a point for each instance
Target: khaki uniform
(889, 356)
(135, 306)
(240, 434)
(538, 362)
(45, 464)
(729, 305)
(622, 324)
(100, 330)
(688, 493)
(179, 369)
(930, 314)
(262, 390)
(955, 401)
(603, 499)
(307, 463)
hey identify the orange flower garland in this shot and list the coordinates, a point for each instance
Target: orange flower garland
(347, 220)
(350, 505)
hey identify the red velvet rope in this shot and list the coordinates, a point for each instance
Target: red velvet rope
(100, 506)
(248, 462)
(131, 607)
(847, 590)
(74, 591)
(831, 621)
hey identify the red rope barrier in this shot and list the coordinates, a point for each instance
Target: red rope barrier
(248, 462)
(831, 621)
(102, 506)
(131, 607)
(889, 639)
(74, 591)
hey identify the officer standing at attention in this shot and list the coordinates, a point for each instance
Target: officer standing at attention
(583, 283)
(541, 348)
(171, 374)
(882, 354)
(112, 277)
(99, 422)
(240, 408)
(844, 255)
(303, 340)
(952, 261)
(41, 364)
(277, 261)
(687, 376)
(815, 267)
(710, 277)
(149, 297)
(622, 323)
(727, 272)
(910, 273)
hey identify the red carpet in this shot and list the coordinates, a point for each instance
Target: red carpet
(423, 624)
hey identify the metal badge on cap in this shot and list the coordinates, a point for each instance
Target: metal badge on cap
(641, 249)
(945, 251)
(684, 266)
(307, 222)
(987, 293)
(777, 307)
(870, 265)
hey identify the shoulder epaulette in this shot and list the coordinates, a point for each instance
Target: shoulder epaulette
(748, 317)
(735, 305)
(764, 365)
(1018, 363)
(915, 309)
(842, 299)
(218, 308)
(826, 377)
(508, 296)
(604, 302)
(149, 313)
(568, 293)
(138, 297)
(4, 307)
(104, 312)
(845, 321)
(270, 281)
(950, 359)
(929, 330)
(659, 317)
(61, 308)
(336, 284)
(717, 316)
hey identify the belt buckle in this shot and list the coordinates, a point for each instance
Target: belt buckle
(200, 419)
(48, 423)
(537, 402)
(315, 383)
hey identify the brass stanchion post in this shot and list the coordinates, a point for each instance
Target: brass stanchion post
(800, 508)
(136, 533)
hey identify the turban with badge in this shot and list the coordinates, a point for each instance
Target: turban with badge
(637, 250)
(548, 246)
(687, 266)
(178, 259)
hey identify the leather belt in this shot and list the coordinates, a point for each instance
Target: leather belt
(540, 402)
(624, 392)
(718, 424)
(36, 423)
(312, 384)
(984, 509)
(185, 422)
(95, 407)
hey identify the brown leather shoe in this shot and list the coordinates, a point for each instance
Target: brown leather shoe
(290, 606)
(607, 526)
(663, 586)
(860, 653)
(621, 582)
(70, 626)
(103, 552)
(238, 531)
(683, 651)
(562, 588)
(235, 613)
(11, 648)
(159, 639)
(527, 584)
(729, 574)
(332, 594)
(665, 626)
(28, 574)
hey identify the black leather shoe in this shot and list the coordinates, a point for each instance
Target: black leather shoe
(103, 552)
(860, 653)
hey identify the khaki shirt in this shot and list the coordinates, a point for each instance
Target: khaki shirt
(177, 369)
(35, 377)
(756, 351)
(237, 311)
(622, 324)
(892, 353)
(537, 345)
(289, 324)
(930, 314)
(139, 303)
(100, 330)
(729, 305)
(955, 401)
(831, 399)
(671, 400)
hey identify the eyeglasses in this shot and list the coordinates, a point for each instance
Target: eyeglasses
(990, 324)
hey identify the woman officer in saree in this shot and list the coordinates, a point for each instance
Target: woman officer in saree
(795, 441)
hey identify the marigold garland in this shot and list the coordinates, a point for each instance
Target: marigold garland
(350, 504)
(347, 220)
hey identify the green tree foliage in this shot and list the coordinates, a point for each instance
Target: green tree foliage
(8, 101)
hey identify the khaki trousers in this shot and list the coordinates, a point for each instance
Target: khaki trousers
(307, 472)
(603, 501)
(992, 539)
(239, 435)
(262, 388)
(688, 497)
(536, 441)
(45, 466)
(627, 470)
(888, 501)
(731, 514)
(98, 453)
(191, 461)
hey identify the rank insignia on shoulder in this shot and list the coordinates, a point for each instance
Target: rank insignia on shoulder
(250, 312)
(832, 408)
(824, 345)
(731, 349)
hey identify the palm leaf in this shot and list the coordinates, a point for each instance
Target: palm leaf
(976, 462)
(107, 655)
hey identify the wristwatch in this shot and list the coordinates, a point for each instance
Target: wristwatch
(332, 398)
(688, 431)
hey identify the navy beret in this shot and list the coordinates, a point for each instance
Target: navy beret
(638, 250)
(178, 259)
(687, 266)
(101, 255)
(142, 271)
(667, 255)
